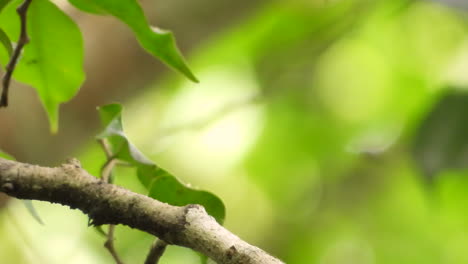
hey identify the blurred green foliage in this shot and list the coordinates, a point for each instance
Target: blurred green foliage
(319, 123)
(342, 91)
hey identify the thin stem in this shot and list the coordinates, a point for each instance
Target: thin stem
(109, 244)
(23, 40)
(159, 246)
(156, 251)
(106, 172)
(105, 146)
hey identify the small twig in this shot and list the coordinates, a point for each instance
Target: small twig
(106, 172)
(23, 40)
(156, 251)
(159, 246)
(105, 146)
(110, 245)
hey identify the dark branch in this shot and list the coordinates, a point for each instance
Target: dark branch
(23, 40)
(156, 251)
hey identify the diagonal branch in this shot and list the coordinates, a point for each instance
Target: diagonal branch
(23, 40)
(188, 226)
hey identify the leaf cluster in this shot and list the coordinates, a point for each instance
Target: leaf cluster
(52, 62)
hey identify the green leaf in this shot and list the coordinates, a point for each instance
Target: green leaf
(159, 43)
(5, 156)
(161, 185)
(52, 62)
(441, 141)
(88, 6)
(3, 3)
(166, 188)
(120, 146)
(6, 42)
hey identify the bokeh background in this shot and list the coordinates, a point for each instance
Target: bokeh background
(334, 131)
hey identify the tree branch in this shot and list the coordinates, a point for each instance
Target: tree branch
(23, 40)
(188, 226)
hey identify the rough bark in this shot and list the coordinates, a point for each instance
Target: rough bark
(189, 226)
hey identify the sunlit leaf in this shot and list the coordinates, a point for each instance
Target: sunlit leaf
(88, 6)
(161, 185)
(159, 43)
(120, 146)
(52, 62)
(166, 188)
